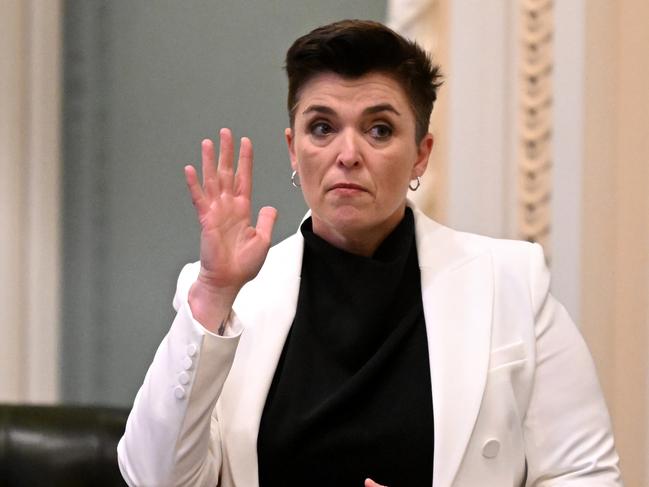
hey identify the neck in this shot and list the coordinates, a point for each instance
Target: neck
(357, 240)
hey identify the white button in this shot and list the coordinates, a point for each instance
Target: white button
(491, 448)
(192, 349)
(183, 378)
(187, 363)
(179, 392)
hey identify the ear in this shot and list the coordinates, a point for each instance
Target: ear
(423, 153)
(288, 134)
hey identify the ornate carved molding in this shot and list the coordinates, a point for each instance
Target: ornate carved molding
(534, 125)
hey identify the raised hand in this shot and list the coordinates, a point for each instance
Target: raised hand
(231, 250)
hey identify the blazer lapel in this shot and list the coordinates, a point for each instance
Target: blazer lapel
(267, 311)
(457, 293)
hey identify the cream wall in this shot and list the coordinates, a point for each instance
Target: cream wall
(567, 152)
(615, 258)
(29, 199)
(11, 196)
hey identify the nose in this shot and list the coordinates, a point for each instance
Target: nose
(349, 153)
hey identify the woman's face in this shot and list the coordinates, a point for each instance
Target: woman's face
(353, 146)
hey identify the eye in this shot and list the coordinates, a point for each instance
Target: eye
(320, 129)
(380, 131)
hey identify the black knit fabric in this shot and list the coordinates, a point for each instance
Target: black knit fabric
(351, 396)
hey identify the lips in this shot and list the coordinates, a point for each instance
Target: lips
(350, 186)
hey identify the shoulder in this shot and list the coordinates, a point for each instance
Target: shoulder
(507, 254)
(514, 263)
(433, 236)
(518, 265)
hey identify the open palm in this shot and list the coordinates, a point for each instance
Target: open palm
(232, 251)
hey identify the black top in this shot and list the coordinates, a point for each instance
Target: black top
(351, 395)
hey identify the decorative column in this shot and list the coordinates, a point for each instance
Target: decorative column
(535, 121)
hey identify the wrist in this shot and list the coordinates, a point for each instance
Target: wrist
(211, 306)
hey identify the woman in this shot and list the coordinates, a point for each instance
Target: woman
(374, 346)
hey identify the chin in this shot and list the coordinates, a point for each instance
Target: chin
(352, 220)
(349, 214)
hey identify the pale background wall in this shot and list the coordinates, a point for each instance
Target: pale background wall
(29, 199)
(615, 230)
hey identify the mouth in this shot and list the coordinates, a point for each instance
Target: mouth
(348, 186)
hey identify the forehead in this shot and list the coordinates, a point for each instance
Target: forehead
(330, 89)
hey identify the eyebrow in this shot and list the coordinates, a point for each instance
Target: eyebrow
(381, 107)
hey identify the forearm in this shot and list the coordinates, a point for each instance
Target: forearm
(167, 439)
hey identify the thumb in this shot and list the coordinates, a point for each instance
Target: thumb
(266, 221)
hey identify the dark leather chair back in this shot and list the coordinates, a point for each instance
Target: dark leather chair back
(60, 446)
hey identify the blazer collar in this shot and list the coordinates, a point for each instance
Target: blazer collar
(457, 294)
(266, 306)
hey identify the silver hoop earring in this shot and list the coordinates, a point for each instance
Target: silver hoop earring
(416, 186)
(295, 180)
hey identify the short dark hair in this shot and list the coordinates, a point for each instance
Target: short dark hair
(353, 48)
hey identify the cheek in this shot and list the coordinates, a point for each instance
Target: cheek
(395, 172)
(311, 161)
(309, 177)
(311, 152)
(392, 186)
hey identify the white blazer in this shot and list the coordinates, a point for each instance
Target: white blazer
(515, 397)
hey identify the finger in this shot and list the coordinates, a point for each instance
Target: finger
(209, 166)
(243, 179)
(371, 483)
(226, 158)
(198, 197)
(265, 222)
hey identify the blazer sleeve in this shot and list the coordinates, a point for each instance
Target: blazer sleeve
(567, 429)
(172, 436)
